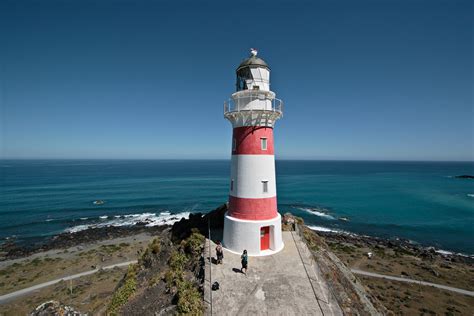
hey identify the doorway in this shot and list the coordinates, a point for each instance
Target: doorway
(265, 238)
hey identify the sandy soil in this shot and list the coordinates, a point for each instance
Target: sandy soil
(410, 299)
(89, 293)
(390, 262)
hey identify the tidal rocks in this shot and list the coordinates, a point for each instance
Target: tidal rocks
(464, 176)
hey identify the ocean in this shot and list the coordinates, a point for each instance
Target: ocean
(419, 201)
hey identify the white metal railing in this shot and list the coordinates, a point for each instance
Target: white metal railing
(244, 103)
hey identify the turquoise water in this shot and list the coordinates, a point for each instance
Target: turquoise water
(420, 201)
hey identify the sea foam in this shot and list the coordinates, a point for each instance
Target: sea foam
(317, 212)
(323, 229)
(151, 219)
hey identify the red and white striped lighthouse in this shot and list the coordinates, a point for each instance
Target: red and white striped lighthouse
(252, 221)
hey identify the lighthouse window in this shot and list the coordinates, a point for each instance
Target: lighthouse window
(265, 186)
(263, 141)
(234, 144)
(243, 75)
(232, 184)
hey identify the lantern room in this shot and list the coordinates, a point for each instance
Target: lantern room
(253, 74)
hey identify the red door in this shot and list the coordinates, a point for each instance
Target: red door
(265, 238)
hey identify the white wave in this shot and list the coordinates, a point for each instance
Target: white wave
(151, 219)
(103, 217)
(444, 252)
(316, 212)
(324, 229)
(471, 195)
(84, 218)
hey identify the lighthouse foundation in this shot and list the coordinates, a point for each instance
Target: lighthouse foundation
(258, 237)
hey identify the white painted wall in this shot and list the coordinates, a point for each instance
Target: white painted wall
(248, 172)
(244, 234)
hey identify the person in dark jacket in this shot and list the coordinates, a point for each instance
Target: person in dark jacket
(244, 260)
(219, 252)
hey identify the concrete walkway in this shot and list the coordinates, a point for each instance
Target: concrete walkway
(286, 283)
(389, 277)
(10, 296)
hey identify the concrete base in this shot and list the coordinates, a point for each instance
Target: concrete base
(274, 285)
(245, 234)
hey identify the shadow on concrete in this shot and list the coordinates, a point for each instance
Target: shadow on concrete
(213, 260)
(237, 270)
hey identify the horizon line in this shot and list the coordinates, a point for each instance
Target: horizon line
(228, 159)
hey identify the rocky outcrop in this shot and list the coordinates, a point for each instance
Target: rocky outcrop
(55, 308)
(214, 219)
(464, 176)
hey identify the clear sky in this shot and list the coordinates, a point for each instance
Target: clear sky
(385, 79)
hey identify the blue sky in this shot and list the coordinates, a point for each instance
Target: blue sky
(389, 80)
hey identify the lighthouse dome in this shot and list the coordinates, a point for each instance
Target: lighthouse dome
(253, 61)
(253, 73)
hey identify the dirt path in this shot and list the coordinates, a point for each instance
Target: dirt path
(389, 277)
(10, 296)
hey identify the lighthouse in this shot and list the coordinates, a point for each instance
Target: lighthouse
(252, 221)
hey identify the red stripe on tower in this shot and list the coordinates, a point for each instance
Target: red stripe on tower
(253, 209)
(252, 140)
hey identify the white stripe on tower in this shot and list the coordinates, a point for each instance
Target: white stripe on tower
(248, 172)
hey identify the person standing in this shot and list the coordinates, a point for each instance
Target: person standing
(219, 252)
(244, 260)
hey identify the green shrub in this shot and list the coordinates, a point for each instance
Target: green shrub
(192, 245)
(173, 278)
(145, 258)
(177, 261)
(155, 246)
(126, 290)
(155, 279)
(175, 274)
(189, 299)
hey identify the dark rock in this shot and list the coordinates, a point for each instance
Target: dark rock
(214, 219)
(464, 176)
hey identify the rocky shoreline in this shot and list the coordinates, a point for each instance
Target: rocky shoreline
(398, 245)
(12, 250)
(180, 230)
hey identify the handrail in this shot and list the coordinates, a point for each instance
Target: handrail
(239, 103)
(210, 262)
(297, 230)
